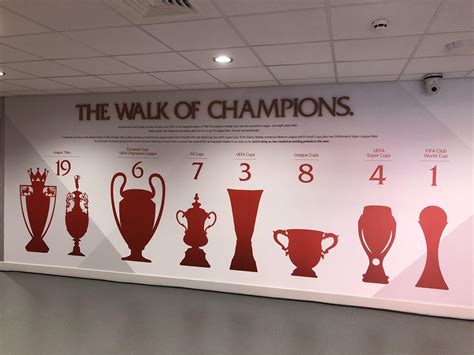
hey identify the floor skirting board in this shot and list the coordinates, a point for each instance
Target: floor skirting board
(346, 300)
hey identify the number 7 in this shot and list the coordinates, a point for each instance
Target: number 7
(198, 171)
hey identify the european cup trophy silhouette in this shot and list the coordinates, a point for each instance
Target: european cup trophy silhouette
(77, 216)
(136, 217)
(377, 229)
(195, 234)
(433, 220)
(305, 248)
(244, 211)
(39, 201)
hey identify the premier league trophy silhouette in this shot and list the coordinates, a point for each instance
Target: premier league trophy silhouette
(77, 216)
(39, 201)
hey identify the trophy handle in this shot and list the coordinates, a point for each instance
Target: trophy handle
(362, 240)
(214, 222)
(163, 192)
(112, 184)
(392, 238)
(23, 209)
(335, 239)
(52, 212)
(179, 222)
(275, 237)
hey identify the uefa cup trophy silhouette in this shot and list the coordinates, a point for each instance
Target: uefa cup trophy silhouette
(39, 200)
(305, 248)
(195, 234)
(377, 229)
(77, 216)
(136, 218)
(433, 220)
(244, 211)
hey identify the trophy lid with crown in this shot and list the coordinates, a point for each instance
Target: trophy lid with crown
(37, 179)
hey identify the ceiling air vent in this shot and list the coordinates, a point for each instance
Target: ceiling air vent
(149, 11)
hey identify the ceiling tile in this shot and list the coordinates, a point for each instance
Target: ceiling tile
(68, 14)
(372, 49)
(288, 27)
(454, 16)
(308, 81)
(452, 75)
(242, 57)
(133, 79)
(186, 77)
(369, 68)
(153, 88)
(13, 74)
(85, 82)
(253, 84)
(12, 24)
(118, 40)
(95, 66)
(22, 93)
(44, 68)
(41, 84)
(201, 86)
(318, 52)
(50, 46)
(363, 79)
(303, 71)
(215, 33)
(241, 7)
(10, 86)
(114, 89)
(8, 54)
(241, 74)
(157, 62)
(434, 45)
(66, 91)
(440, 64)
(405, 19)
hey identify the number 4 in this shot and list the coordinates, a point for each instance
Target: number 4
(378, 171)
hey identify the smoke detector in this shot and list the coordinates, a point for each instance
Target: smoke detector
(379, 24)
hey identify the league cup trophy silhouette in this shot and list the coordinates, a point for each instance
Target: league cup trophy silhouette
(77, 216)
(305, 248)
(195, 234)
(244, 211)
(136, 218)
(39, 200)
(377, 229)
(433, 220)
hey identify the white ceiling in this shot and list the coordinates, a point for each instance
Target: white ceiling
(80, 46)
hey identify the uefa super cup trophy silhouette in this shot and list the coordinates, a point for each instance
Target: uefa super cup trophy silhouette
(244, 210)
(39, 201)
(377, 229)
(305, 248)
(433, 220)
(195, 234)
(77, 216)
(136, 217)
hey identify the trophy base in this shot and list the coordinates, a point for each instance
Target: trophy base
(37, 245)
(375, 273)
(243, 259)
(195, 257)
(432, 282)
(304, 273)
(76, 253)
(136, 256)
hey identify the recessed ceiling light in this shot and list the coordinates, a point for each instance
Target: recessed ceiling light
(2, 73)
(222, 59)
(465, 46)
(379, 24)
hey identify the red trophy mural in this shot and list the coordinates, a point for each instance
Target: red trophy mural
(377, 229)
(195, 234)
(39, 200)
(244, 210)
(305, 248)
(433, 220)
(77, 216)
(137, 219)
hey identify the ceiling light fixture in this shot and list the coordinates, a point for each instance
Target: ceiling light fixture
(465, 46)
(2, 73)
(222, 59)
(379, 24)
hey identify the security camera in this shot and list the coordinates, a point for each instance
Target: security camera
(433, 83)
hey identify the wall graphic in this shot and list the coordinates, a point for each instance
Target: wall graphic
(367, 188)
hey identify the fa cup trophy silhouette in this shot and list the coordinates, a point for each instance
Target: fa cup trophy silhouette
(39, 201)
(77, 216)
(136, 217)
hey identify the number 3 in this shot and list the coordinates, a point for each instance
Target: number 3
(246, 171)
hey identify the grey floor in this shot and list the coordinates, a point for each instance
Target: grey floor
(57, 315)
